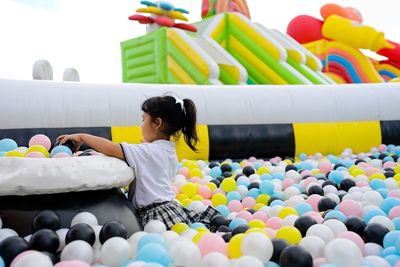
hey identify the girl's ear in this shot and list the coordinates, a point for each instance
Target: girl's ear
(158, 122)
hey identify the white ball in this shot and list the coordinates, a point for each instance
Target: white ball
(294, 175)
(84, 217)
(215, 259)
(290, 220)
(343, 252)
(137, 264)
(62, 233)
(373, 249)
(115, 251)
(231, 215)
(383, 220)
(184, 253)
(155, 226)
(133, 242)
(7, 232)
(97, 229)
(274, 211)
(334, 197)
(361, 178)
(189, 233)
(377, 163)
(28, 238)
(314, 245)
(391, 184)
(254, 178)
(356, 196)
(197, 206)
(179, 180)
(243, 190)
(336, 226)
(78, 250)
(291, 191)
(246, 261)
(294, 200)
(377, 261)
(330, 189)
(322, 231)
(170, 236)
(368, 208)
(257, 245)
(32, 259)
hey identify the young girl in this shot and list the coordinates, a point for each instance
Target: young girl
(154, 160)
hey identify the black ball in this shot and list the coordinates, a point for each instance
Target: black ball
(323, 178)
(44, 240)
(326, 203)
(254, 185)
(248, 170)
(224, 229)
(382, 155)
(329, 182)
(70, 144)
(355, 224)
(252, 211)
(395, 158)
(81, 231)
(304, 222)
(359, 161)
(240, 229)
(389, 174)
(216, 182)
(315, 189)
(11, 246)
(341, 195)
(279, 245)
(220, 178)
(337, 165)
(226, 168)
(227, 237)
(305, 176)
(295, 256)
(227, 174)
(112, 229)
(290, 167)
(346, 184)
(272, 199)
(213, 164)
(375, 233)
(218, 220)
(84, 154)
(238, 175)
(46, 219)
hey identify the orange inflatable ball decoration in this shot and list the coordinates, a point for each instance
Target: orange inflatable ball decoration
(305, 29)
(345, 12)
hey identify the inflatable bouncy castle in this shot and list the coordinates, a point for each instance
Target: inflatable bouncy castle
(337, 41)
(304, 170)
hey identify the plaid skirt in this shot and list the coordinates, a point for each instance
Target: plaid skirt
(171, 212)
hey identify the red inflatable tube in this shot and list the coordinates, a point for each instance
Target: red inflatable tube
(392, 54)
(305, 29)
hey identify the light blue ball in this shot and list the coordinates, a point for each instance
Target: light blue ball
(257, 165)
(304, 166)
(125, 263)
(347, 163)
(396, 222)
(377, 184)
(341, 169)
(2, 153)
(303, 208)
(197, 225)
(236, 222)
(328, 265)
(397, 151)
(254, 193)
(390, 239)
(243, 180)
(7, 144)
(233, 195)
(152, 264)
(303, 156)
(153, 253)
(278, 175)
(397, 246)
(301, 189)
(372, 213)
(267, 187)
(235, 166)
(335, 176)
(223, 209)
(265, 176)
(392, 259)
(278, 194)
(335, 214)
(389, 203)
(333, 159)
(277, 202)
(152, 238)
(58, 149)
(271, 264)
(1, 262)
(388, 251)
(388, 158)
(215, 172)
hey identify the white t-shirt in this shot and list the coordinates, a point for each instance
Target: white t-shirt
(155, 166)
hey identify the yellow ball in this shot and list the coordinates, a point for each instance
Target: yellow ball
(259, 206)
(256, 223)
(14, 153)
(262, 170)
(197, 236)
(290, 234)
(288, 161)
(203, 229)
(357, 171)
(38, 148)
(179, 228)
(228, 184)
(190, 164)
(181, 197)
(218, 199)
(234, 246)
(258, 230)
(189, 189)
(397, 169)
(315, 171)
(286, 211)
(397, 177)
(263, 198)
(212, 186)
(377, 175)
(197, 197)
(195, 172)
(186, 202)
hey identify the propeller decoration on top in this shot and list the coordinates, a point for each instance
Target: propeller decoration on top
(162, 14)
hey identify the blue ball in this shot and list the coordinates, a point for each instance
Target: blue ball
(347, 163)
(304, 166)
(335, 214)
(278, 194)
(152, 238)
(1, 262)
(392, 259)
(124, 264)
(303, 156)
(223, 209)
(197, 225)
(242, 180)
(333, 159)
(235, 166)
(58, 149)
(303, 208)
(254, 193)
(397, 246)
(390, 239)
(278, 175)
(257, 165)
(152, 264)
(236, 222)
(153, 253)
(328, 265)
(7, 144)
(388, 158)
(267, 187)
(383, 191)
(389, 203)
(2, 153)
(335, 176)
(265, 176)
(377, 184)
(271, 264)
(233, 195)
(396, 222)
(372, 213)
(215, 172)
(277, 202)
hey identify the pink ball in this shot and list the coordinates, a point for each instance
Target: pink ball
(248, 202)
(350, 207)
(274, 223)
(235, 205)
(325, 167)
(371, 170)
(74, 263)
(206, 202)
(195, 180)
(252, 159)
(274, 161)
(212, 243)
(397, 264)
(315, 215)
(313, 201)
(270, 232)
(310, 180)
(261, 216)
(394, 193)
(318, 262)
(362, 183)
(204, 191)
(305, 172)
(363, 165)
(389, 164)
(61, 155)
(175, 189)
(35, 154)
(394, 212)
(244, 214)
(21, 255)
(218, 190)
(382, 148)
(354, 238)
(287, 182)
(184, 171)
(40, 139)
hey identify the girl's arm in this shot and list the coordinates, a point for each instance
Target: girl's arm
(99, 144)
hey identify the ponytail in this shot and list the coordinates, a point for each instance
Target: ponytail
(189, 124)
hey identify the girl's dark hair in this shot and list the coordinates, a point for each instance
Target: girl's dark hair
(176, 119)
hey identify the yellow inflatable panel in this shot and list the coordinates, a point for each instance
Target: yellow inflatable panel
(178, 71)
(129, 134)
(334, 137)
(184, 151)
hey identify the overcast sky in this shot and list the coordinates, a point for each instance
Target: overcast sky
(86, 34)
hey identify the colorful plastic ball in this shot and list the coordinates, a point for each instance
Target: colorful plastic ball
(215, 172)
(235, 205)
(179, 228)
(1, 262)
(61, 148)
(73, 263)
(38, 148)
(61, 155)
(290, 234)
(390, 239)
(78, 250)
(383, 220)
(112, 229)
(204, 191)
(184, 253)
(215, 259)
(303, 223)
(155, 226)
(233, 195)
(154, 253)
(84, 217)
(350, 208)
(115, 251)
(293, 256)
(258, 245)
(31, 258)
(279, 245)
(302, 208)
(343, 252)
(45, 219)
(244, 214)
(236, 222)
(234, 246)
(210, 242)
(321, 231)
(14, 153)
(223, 209)
(355, 238)
(135, 238)
(40, 139)
(375, 233)
(151, 238)
(35, 154)
(189, 189)
(313, 245)
(218, 199)
(81, 231)
(267, 187)
(248, 202)
(7, 144)
(228, 185)
(44, 240)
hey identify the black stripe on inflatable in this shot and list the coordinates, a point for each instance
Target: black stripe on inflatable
(22, 136)
(390, 131)
(244, 141)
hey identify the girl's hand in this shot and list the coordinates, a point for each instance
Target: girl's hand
(77, 138)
